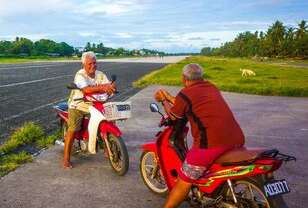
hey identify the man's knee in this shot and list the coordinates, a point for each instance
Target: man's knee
(75, 118)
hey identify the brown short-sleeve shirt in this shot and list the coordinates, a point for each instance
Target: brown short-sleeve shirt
(211, 120)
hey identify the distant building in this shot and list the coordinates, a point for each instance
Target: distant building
(53, 54)
(80, 49)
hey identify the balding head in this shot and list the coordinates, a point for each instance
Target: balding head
(87, 55)
(192, 72)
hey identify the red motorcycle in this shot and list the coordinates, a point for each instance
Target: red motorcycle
(107, 136)
(241, 177)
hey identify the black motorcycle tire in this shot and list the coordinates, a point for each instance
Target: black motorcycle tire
(119, 150)
(258, 181)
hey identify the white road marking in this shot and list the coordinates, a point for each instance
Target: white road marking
(31, 66)
(34, 81)
(33, 109)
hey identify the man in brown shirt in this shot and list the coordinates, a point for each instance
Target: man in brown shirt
(213, 127)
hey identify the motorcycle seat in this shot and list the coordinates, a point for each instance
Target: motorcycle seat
(241, 154)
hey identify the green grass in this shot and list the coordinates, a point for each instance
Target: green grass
(28, 133)
(48, 141)
(34, 59)
(225, 73)
(11, 162)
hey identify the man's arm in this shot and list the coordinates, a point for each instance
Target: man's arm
(102, 88)
(167, 106)
(167, 101)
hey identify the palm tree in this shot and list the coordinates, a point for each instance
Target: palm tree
(289, 43)
(301, 39)
(275, 36)
(302, 29)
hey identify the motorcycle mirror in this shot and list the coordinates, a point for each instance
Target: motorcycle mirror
(113, 78)
(72, 86)
(154, 107)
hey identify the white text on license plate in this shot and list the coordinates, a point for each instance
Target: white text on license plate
(276, 187)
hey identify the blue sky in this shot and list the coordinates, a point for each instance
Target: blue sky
(166, 25)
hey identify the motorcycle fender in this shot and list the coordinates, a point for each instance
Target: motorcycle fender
(150, 147)
(109, 127)
(63, 116)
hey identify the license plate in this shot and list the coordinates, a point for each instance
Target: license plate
(276, 187)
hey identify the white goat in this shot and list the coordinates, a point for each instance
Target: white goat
(247, 72)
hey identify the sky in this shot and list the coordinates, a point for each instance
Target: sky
(166, 25)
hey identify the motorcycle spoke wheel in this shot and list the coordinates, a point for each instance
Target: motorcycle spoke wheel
(119, 158)
(249, 193)
(151, 174)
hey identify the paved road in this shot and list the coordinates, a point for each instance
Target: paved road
(29, 90)
(273, 122)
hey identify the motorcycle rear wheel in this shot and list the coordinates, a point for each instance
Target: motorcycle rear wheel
(151, 174)
(119, 159)
(253, 186)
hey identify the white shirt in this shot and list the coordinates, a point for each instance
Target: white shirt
(82, 80)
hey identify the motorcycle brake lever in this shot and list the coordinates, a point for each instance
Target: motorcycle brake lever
(78, 99)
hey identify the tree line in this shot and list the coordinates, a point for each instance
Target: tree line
(278, 41)
(101, 50)
(23, 47)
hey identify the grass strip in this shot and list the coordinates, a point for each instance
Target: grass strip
(11, 154)
(28, 133)
(10, 162)
(270, 79)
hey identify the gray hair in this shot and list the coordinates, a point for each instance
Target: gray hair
(88, 54)
(192, 72)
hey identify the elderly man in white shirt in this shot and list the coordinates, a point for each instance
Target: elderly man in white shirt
(89, 80)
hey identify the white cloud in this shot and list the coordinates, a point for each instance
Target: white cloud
(33, 37)
(124, 35)
(93, 7)
(109, 7)
(19, 7)
(175, 41)
(199, 39)
(88, 34)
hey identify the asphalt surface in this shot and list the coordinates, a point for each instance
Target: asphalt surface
(272, 122)
(28, 91)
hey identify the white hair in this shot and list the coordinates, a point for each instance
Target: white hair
(192, 71)
(88, 54)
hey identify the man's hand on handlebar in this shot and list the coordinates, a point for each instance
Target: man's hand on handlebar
(162, 95)
(108, 88)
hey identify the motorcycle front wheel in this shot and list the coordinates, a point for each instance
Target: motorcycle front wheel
(151, 173)
(250, 194)
(118, 158)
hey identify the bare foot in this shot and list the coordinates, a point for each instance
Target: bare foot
(67, 165)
